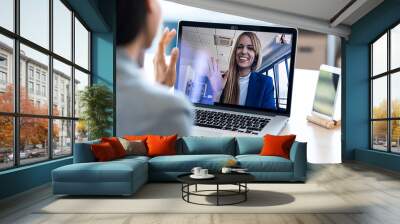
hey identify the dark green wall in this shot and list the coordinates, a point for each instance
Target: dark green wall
(356, 125)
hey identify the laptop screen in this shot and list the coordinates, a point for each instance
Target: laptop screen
(236, 66)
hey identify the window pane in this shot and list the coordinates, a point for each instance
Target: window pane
(6, 142)
(7, 14)
(62, 89)
(81, 45)
(379, 135)
(379, 56)
(34, 97)
(62, 29)
(6, 74)
(81, 131)
(395, 47)
(395, 94)
(35, 21)
(62, 138)
(283, 83)
(379, 98)
(395, 136)
(33, 139)
(81, 81)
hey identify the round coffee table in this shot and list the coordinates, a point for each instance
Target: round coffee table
(238, 179)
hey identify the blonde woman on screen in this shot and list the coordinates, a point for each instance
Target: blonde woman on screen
(241, 84)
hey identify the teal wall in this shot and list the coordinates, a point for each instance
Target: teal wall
(24, 178)
(99, 15)
(355, 130)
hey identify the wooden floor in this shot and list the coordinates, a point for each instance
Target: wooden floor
(378, 189)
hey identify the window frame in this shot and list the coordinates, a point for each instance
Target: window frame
(16, 114)
(388, 74)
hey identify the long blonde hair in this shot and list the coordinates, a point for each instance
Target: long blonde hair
(230, 94)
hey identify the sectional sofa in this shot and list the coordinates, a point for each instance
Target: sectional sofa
(125, 176)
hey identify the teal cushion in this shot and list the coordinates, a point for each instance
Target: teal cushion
(197, 145)
(83, 152)
(249, 145)
(111, 171)
(185, 163)
(257, 163)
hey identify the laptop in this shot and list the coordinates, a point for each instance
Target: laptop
(239, 77)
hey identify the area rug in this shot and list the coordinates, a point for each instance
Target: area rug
(166, 198)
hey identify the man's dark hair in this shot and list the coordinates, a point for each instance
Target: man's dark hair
(131, 19)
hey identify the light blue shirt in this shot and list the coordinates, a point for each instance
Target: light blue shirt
(148, 108)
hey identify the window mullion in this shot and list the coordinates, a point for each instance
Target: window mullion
(389, 106)
(50, 81)
(73, 82)
(16, 84)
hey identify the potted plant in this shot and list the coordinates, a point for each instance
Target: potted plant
(96, 102)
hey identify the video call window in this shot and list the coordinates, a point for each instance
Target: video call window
(39, 123)
(218, 65)
(385, 96)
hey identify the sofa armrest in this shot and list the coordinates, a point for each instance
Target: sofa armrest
(83, 152)
(298, 155)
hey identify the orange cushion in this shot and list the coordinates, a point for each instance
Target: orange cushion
(116, 145)
(103, 152)
(275, 145)
(161, 145)
(136, 137)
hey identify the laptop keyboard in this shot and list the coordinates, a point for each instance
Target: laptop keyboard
(231, 122)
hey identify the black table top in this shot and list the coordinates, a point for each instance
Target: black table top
(220, 178)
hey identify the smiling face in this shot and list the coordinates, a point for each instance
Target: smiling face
(245, 52)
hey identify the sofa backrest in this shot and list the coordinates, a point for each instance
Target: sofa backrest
(83, 152)
(206, 145)
(249, 145)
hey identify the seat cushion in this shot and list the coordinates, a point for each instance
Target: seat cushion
(257, 163)
(185, 163)
(111, 171)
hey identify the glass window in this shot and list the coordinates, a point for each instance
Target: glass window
(81, 45)
(395, 95)
(40, 62)
(395, 136)
(382, 138)
(395, 47)
(34, 79)
(62, 72)
(62, 29)
(379, 98)
(379, 135)
(30, 87)
(6, 142)
(283, 81)
(81, 131)
(34, 21)
(81, 81)
(62, 138)
(6, 73)
(379, 56)
(33, 140)
(7, 14)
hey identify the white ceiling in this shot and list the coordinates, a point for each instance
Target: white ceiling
(320, 9)
(315, 15)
